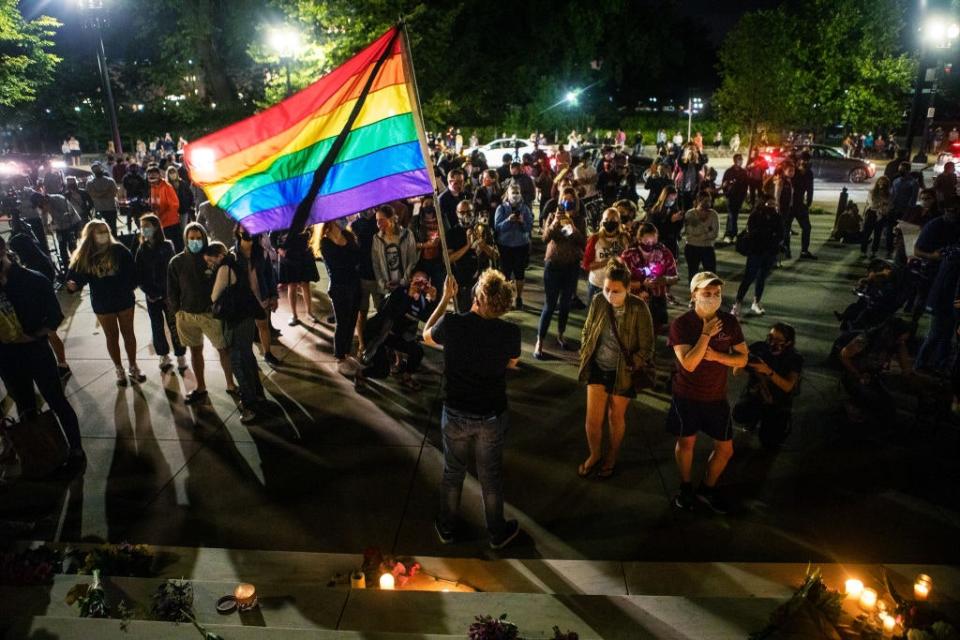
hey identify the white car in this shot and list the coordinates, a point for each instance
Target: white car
(952, 154)
(495, 150)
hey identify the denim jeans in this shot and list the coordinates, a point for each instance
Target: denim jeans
(487, 435)
(559, 287)
(877, 226)
(160, 317)
(935, 351)
(239, 337)
(346, 302)
(32, 363)
(758, 269)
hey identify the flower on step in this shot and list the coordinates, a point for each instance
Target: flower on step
(490, 628)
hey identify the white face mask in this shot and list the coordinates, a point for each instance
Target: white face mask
(616, 298)
(709, 305)
(102, 238)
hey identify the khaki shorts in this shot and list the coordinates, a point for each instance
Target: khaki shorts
(368, 288)
(191, 327)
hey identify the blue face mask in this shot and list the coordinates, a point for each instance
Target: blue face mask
(195, 245)
(568, 205)
(147, 232)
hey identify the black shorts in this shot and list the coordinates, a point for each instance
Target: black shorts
(687, 417)
(608, 379)
(514, 261)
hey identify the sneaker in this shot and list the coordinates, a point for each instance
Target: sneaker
(182, 364)
(806, 255)
(271, 359)
(447, 535)
(756, 308)
(735, 310)
(294, 321)
(247, 415)
(165, 363)
(510, 531)
(712, 499)
(121, 377)
(684, 499)
(727, 240)
(136, 376)
(195, 396)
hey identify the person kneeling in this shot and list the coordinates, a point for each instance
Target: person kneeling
(774, 367)
(395, 328)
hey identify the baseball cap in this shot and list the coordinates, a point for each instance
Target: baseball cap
(704, 279)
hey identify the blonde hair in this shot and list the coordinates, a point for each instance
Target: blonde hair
(89, 259)
(494, 292)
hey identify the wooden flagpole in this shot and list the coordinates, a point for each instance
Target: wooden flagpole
(411, 76)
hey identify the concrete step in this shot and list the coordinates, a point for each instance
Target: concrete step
(45, 628)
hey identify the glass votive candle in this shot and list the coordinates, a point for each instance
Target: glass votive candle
(853, 588)
(922, 586)
(387, 582)
(868, 599)
(246, 595)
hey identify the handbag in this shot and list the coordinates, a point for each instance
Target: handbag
(38, 442)
(643, 372)
(229, 306)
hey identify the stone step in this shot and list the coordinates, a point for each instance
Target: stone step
(87, 628)
(543, 576)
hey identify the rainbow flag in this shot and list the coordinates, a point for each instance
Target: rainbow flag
(351, 141)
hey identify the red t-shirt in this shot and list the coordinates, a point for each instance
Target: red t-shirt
(708, 382)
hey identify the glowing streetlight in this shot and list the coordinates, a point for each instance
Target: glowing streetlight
(286, 43)
(694, 105)
(572, 96)
(939, 32)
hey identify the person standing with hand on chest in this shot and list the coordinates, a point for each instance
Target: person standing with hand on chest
(708, 343)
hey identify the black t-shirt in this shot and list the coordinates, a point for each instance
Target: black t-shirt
(365, 229)
(27, 304)
(476, 352)
(341, 262)
(465, 268)
(783, 365)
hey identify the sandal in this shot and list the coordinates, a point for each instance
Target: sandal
(605, 472)
(197, 395)
(410, 383)
(583, 470)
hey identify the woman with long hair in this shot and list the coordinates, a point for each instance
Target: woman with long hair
(341, 256)
(764, 234)
(701, 226)
(108, 267)
(153, 257)
(618, 328)
(879, 203)
(249, 247)
(298, 268)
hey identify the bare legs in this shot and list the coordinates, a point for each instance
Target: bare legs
(719, 457)
(600, 404)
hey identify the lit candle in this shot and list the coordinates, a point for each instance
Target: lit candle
(868, 599)
(889, 624)
(853, 588)
(386, 582)
(246, 595)
(922, 586)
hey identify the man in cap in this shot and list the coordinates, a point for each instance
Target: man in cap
(708, 343)
(102, 189)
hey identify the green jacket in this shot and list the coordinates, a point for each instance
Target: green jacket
(636, 332)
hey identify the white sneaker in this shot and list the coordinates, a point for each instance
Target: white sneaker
(756, 308)
(182, 363)
(121, 377)
(165, 363)
(735, 310)
(136, 376)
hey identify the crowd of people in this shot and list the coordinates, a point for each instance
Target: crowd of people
(206, 279)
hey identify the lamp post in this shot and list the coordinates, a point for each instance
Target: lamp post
(694, 105)
(95, 17)
(572, 98)
(939, 34)
(286, 42)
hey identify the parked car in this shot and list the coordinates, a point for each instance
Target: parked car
(826, 162)
(494, 150)
(952, 154)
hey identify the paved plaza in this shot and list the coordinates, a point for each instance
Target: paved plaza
(333, 471)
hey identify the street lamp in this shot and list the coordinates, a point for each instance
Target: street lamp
(937, 33)
(95, 17)
(285, 41)
(694, 105)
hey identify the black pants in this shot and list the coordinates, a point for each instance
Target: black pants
(734, 204)
(346, 304)
(876, 226)
(697, 257)
(380, 362)
(24, 365)
(66, 244)
(110, 217)
(36, 225)
(772, 421)
(161, 317)
(757, 271)
(803, 219)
